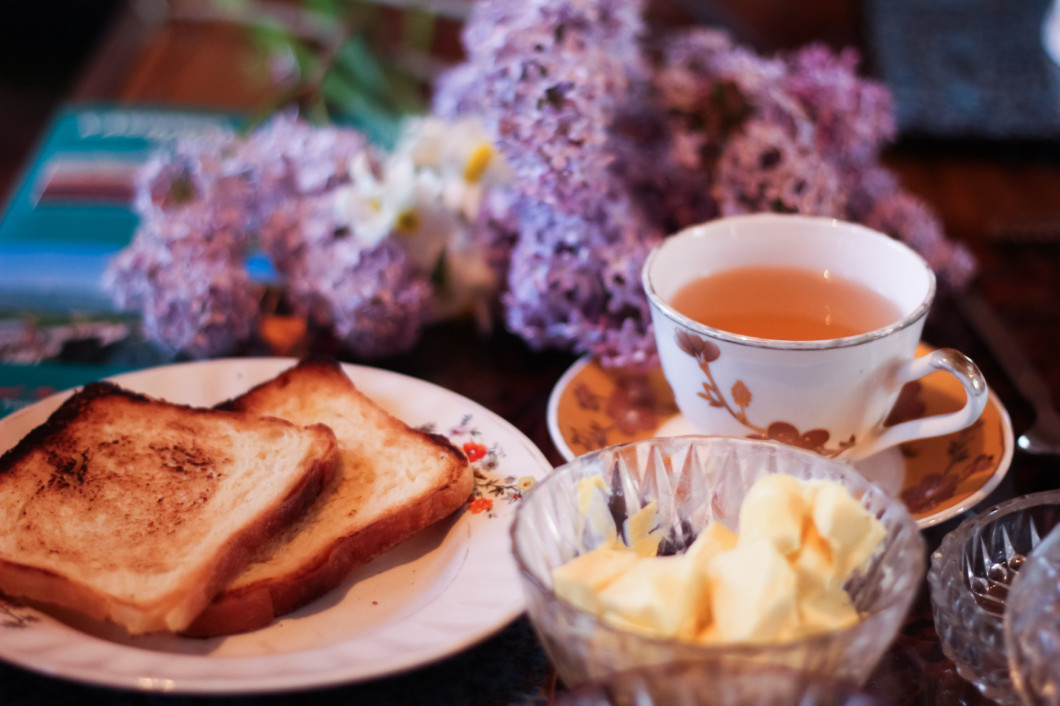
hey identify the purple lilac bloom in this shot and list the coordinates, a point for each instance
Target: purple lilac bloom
(185, 268)
(371, 300)
(458, 92)
(193, 295)
(878, 201)
(293, 157)
(794, 133)
(502, 31)
(201, 202)
(549, 78)
(197, 180)
(611, 146)
(298, 223)
(853, 117)
(574, 282)
(868, 185)
(697, 61)
(550, 75)
(761, 168)
(553, 114)
(670, 191)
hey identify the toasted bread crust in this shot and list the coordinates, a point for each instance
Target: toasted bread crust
(59, 459)
(358, 537)
(70, 410)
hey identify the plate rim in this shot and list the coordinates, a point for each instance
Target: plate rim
(491, 620)
(973, 499)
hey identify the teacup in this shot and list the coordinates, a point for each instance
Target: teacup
(831, 395)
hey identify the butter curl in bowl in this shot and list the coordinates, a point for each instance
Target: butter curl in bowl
(637, 555)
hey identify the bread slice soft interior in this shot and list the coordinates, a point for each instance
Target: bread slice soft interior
(393, 481)
(137, 511)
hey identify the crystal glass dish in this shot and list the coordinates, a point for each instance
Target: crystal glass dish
(1032, 624)
(694, 480)
(970, 576)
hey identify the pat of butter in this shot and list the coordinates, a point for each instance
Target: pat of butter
(659, 595)
(581, 579)
(714, 539)
(780, 577)
(814, 566)
(592, 508)
(640, 531)
(774, 509)
(846, 525)
(753, 596)
(823, 611)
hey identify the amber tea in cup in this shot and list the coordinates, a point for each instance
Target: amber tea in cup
(784, 303)
(799, 329)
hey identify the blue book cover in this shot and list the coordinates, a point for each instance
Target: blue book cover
(72, 210)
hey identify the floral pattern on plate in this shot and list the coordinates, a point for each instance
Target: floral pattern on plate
(485, 459)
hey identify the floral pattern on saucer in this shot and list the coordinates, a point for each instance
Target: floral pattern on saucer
(593, 407)
(604, 406)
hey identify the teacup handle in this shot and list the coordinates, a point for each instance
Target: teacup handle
(948, 360)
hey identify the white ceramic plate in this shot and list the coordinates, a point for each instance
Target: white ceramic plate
(438, 593)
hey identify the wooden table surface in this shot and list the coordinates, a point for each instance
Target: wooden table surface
(988, 194)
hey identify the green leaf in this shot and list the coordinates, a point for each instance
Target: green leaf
(348, 105)
(364, 70)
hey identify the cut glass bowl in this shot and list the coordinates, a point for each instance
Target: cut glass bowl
(970, 576)
(696, 479)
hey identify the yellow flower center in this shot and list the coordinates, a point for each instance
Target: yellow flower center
(477, 163)
(407, 222)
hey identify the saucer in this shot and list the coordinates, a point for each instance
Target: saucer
(938, 478)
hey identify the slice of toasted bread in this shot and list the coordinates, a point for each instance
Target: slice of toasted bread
(135, 510)
(393, 481)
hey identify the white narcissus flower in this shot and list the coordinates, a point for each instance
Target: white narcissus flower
(400, 200)
(362, 203)
(426, 196)
(422, 224)
(464, 160)
(461, 153)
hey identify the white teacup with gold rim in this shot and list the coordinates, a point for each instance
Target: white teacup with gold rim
(800, 329)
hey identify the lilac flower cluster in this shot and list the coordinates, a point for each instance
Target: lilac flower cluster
(547, 77)
(184, 270)
(207, 201)
(371, 299)
(614, 145)
(550, 79)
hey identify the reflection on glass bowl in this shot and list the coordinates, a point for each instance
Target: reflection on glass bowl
(1032, 624)
(694, 480)
(970, 577)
